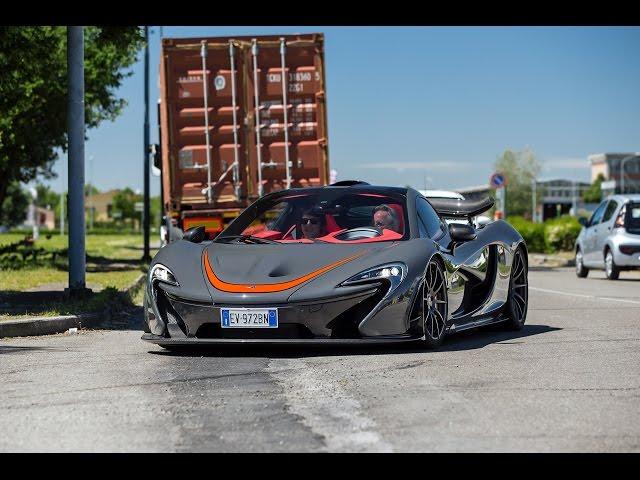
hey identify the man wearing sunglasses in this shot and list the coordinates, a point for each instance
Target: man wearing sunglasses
(385, 217)
(313, 226)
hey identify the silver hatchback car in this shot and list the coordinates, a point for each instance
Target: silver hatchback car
(610, 239)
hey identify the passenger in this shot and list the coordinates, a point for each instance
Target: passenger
(313, 226)
(386, 217)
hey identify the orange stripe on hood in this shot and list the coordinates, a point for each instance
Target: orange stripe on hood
(267, 287)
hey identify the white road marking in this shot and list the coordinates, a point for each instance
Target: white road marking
(594, 297)
(315, 394)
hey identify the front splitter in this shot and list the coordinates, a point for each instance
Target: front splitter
(195, 342)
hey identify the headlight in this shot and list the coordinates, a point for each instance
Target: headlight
(162, 274)
(395, 273)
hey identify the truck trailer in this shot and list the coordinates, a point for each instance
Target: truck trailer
(240, 117)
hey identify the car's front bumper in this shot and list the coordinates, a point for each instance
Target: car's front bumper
(203, 342)
(349, 318)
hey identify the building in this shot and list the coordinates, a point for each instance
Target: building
(102, 204)
(610, 164)
(555, 196)
(45, 218)
(559, 196)
(475, 193)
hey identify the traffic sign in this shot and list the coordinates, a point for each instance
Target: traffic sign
(498, 180)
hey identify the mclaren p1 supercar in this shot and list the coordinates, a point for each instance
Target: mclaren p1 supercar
(341, 264)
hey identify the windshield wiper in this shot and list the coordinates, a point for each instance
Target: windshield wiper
(246, 239)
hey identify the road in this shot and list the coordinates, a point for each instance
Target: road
(569, 381)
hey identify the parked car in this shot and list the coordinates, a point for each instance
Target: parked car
(610, 239)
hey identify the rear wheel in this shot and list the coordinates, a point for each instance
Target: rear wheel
(610, 268)
(518, 300)
(434, 305)
(581, 270)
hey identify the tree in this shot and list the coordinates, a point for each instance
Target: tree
(33, 93)
(90, 190)
(124, 202)
(47, 197)
(13, 208)
(155, 207)
(520, 169)
(593, 194)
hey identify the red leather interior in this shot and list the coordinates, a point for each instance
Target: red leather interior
(400, 214)
(268, 234)
(331, 224)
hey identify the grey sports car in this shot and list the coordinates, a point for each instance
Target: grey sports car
(346, 263)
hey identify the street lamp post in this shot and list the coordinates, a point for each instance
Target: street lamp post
(533, 200)
(91, 209)
(75, 126)
(622, 164)
(146, 257)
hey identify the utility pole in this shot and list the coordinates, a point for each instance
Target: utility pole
(533, 200)
(504, 202)
(160, 142)
(33, 210)
(62, 200)
(145, 212)
(75, 126)
(91, 209)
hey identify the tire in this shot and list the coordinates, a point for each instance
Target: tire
(518, 299)
(434, 305)
(581, 270)
(610, 268)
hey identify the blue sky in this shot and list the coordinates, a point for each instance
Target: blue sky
(432, 106)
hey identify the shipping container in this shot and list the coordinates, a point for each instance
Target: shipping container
(239, 117)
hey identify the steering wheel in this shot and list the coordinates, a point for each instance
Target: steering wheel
(359, 233)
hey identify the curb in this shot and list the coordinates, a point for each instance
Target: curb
(27, 327)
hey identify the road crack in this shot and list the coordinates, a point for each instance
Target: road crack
(315, 394)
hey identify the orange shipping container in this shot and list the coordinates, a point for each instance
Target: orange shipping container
(233, 127)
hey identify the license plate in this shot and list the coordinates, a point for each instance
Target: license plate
(249, 317)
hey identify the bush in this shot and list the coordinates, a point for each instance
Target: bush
(551, 236)
(561, 233)
(533, 233)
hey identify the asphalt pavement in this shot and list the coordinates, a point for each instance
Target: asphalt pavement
(569, 381)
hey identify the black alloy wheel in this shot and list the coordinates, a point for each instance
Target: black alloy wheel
(434, 305)
(518, 301)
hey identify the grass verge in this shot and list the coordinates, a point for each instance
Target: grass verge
(36, 289)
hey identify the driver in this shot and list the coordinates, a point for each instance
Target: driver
(313, 226)
(386, 217)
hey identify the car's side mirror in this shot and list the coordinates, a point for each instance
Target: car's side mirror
(461, 232)
(583, 221)
(195, 234)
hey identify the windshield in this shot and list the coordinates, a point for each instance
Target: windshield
(321, 215)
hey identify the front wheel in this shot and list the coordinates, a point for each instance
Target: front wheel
(611, 269)
(518, 300)
(581, 270)
(434, 305)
